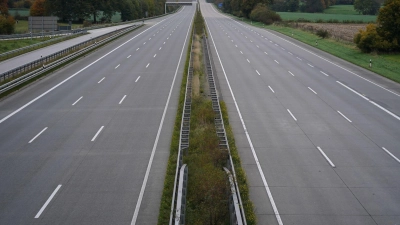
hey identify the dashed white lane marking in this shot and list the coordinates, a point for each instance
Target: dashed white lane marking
(148, 64)
(236, 46)
(324, 73)
(299, 59)
(290, 53)
(248, 60)
(312, 90)
(164, 43)
(77, 100)
(241, 52)
(344, 116)
(101, 80)
(251, 41)
(149, 39)
(326, 157)
(265, 182)
(310, 65)
(48, 201)
(387, 151)
(137, 49)
(258, 72)
(283, 49)
(258, 46)
(160, 48)
(137, 79)
(144, 43)
(117, 66)
(37, 135)
(128, 56)
(154, 55)
(266, 53)
(276, 61)
(271, 89)
(292, 115)
(167, 38)
(123, 98)
(97, 134)
(276, 45)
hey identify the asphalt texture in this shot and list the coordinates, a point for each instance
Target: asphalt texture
(89, 143)
(318, 137)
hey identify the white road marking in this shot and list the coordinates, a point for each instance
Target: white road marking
(344, 116)
(299, 59)
(167, 38)
(245, 36)
(122, 99)
(266, 53)
(164, 43)
(276, 61)
(77, 100)
(291, 73)
(146, 176)
(265, 183)
(149, 39)
(312, 90)
(98, 132)
(159, 48)
(48, 201)
(326, 157)
(290, 53)
(283, 49)
(310, 65)
(355, 92)
(236, 46)
(258, 46)
(144, 43)
(251, 41)
(231, 40)
(248, 60)
(271, 89)
(128, 56)
(137, 49)
(37, 135)
(387, 151)
(101, 80)
(241, 52)
(292, 115)
(137, 79)
(117, 66)
(324, 73)
(148, 64)
(276, 45)
(258, 72)
(154, 55)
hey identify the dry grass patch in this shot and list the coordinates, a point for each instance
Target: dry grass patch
(344, 32)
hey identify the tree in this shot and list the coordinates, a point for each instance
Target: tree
(389, 21)
(312, 6)
(3, 7)
(366, 7)
(38, 8)
(6, 24)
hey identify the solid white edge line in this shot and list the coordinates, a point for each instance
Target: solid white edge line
(387, 111)
(48, 201)
(271, 89)
(312, 90)
(122, 100)
(73, 75)
(344, 116)
(37, 135)
(291, 115)
(98, 132)
(387, 151)
(137, 79)
(77, 100)
(267, 189)
(352, 90)
(326, 157)
(146, 177)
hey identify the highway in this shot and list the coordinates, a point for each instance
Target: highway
(89, 143)
(318, 137)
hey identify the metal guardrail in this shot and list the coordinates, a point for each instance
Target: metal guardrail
(6, 54)
(43, 60)
(184, 134)
(37, 72)
(234, 208)
(180, 212)
(236, 212)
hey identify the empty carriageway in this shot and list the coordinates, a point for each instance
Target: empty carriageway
(318, 137)
(89, 143)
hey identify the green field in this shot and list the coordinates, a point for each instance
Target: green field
(21, 12)
(314, 17)
(341, 9)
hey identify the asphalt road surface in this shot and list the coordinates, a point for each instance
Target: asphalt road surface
(89, 144)
(319, 138)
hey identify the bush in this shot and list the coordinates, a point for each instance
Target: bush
(6, 24)
(369, 40)
(261, 13)
(322, 33)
